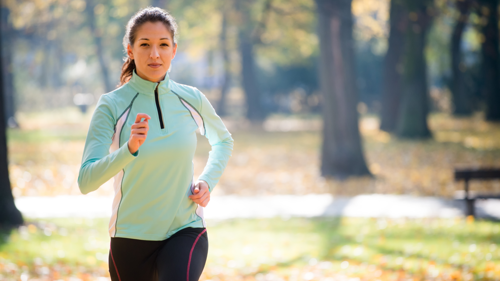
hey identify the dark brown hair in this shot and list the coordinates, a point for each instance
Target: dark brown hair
(149, 14)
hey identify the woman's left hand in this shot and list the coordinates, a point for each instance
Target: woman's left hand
(201, 194)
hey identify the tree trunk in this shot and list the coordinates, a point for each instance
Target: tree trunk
(221, 105)
(7, 70)
(97, 35)
(460, 98)
(44, 75)
(10, 216)
(393, 67)
(342, 153)
(57, 63)
(255, 112)
(160, 4)
(489, 52)
(415, 101)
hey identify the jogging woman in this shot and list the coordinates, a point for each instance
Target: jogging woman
(144, 135)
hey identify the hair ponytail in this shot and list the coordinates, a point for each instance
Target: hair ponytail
(148, 14)
(127, 70)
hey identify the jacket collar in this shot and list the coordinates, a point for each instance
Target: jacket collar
(146, 87)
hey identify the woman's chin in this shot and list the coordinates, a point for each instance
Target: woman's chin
(156, 75)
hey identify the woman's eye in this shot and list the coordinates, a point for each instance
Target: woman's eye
(164, 44)
(144, 44)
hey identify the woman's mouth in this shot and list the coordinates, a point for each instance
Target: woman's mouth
(154, 65)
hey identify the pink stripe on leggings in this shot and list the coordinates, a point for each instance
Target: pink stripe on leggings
(116, 269)
(191, 253)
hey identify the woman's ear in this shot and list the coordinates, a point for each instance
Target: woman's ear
(174, 52)
(129, 52)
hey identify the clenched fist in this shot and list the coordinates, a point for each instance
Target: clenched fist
(201, 194)
(138, 132)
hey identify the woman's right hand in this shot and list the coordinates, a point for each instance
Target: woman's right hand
(138, 132)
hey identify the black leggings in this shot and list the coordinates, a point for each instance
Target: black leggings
(181, 257)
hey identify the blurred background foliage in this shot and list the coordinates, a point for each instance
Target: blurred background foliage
(55, 55)
(56, 50)
(420, 95)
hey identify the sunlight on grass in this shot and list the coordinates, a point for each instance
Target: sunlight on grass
(56, 248)
(278, 249)
(45, 157)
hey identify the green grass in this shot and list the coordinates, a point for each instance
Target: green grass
(451, 248)
(45, 155)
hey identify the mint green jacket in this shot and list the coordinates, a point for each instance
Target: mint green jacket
(152, 186)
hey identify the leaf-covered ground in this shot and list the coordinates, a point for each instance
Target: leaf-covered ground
(282, 158)
(46, 154)
(276, 249)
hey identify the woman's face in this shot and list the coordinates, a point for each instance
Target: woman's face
(152, 51)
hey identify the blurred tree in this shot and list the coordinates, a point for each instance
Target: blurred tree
(371, 35)
(460, 96)
(160, 3)
(248, 35)
(97, 34)
(369, 75)
(490, 58)
(8, 36)
(342, 153)
(292, 88)
(55, 40)
(286, 52)
(414, 108)
(45, 77)
(224, 49)
(393, 66)
(10, 216)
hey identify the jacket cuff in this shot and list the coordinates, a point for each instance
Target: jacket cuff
(210, 184)
(125, 154)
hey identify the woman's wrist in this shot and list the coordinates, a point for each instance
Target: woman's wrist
(131, 150)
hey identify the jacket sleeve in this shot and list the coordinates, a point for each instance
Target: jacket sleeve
(221, 141)
(98, 165)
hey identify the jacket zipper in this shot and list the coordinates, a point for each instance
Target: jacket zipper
(157, 99)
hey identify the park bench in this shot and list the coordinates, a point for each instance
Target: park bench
(467, 174)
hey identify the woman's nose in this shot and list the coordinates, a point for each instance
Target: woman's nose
(154, 53)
